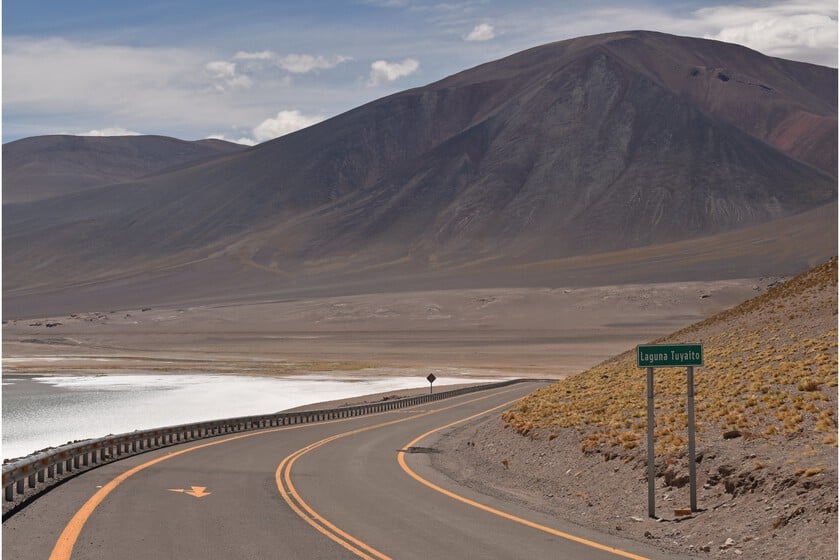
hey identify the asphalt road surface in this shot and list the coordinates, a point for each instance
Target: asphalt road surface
(352, 488)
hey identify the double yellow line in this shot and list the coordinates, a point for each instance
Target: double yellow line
(63, 549)
(283, 478)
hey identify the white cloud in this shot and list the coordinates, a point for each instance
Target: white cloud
(304, 63)
(226, 76)
(67, 84)
(111, 131)
(261, 55)
(804, 30)
(786, 30)
(383, 71)
(294, 63)
(244, 141)
(481, 32)
(221, 69)
(78, 75)
(285, 122)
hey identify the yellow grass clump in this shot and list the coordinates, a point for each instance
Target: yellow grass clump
(765, 373)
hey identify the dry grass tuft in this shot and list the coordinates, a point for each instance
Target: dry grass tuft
(770, 370)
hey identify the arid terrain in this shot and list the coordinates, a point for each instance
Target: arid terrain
(542, 332)
(766, 436)
(536, 216)
(577, 447)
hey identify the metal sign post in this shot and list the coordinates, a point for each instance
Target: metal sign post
(431, 379)
(692, 466)
(651, 469)
(670, 355)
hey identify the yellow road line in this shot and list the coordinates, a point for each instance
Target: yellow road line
(67, 540)
(283, 479)
(402, 462)
(290, 494)
(63, 548)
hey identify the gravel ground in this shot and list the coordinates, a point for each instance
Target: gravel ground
(744, 512)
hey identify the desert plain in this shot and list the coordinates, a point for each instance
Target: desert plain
(511, 332)
(750, 505)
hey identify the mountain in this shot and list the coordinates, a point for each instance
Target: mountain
(594, 145)
(46, 166)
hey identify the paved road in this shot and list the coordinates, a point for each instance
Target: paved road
(341, 489)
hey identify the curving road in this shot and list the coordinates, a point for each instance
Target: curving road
(340, 489)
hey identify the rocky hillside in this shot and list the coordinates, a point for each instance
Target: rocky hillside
(766, 424)
(47, 166)
(601, 143)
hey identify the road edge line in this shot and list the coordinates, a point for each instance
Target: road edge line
(580, 540)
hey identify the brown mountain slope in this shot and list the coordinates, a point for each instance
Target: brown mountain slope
(46, 166)
(781, 247)
(766, 420)
(570, 149)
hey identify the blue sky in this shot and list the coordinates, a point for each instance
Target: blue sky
(255, 69)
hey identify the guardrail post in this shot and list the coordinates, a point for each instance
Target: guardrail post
(10, 492)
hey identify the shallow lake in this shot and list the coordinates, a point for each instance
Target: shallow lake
(45, 411)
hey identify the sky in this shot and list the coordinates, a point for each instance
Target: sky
(253, 70)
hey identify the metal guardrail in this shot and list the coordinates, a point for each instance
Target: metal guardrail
(31, 475)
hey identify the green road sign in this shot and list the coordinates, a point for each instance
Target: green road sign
(669, 355)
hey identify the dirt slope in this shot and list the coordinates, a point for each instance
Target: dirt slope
(766, 435)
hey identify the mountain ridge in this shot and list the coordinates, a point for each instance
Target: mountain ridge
(562, 150)
(46, 166)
